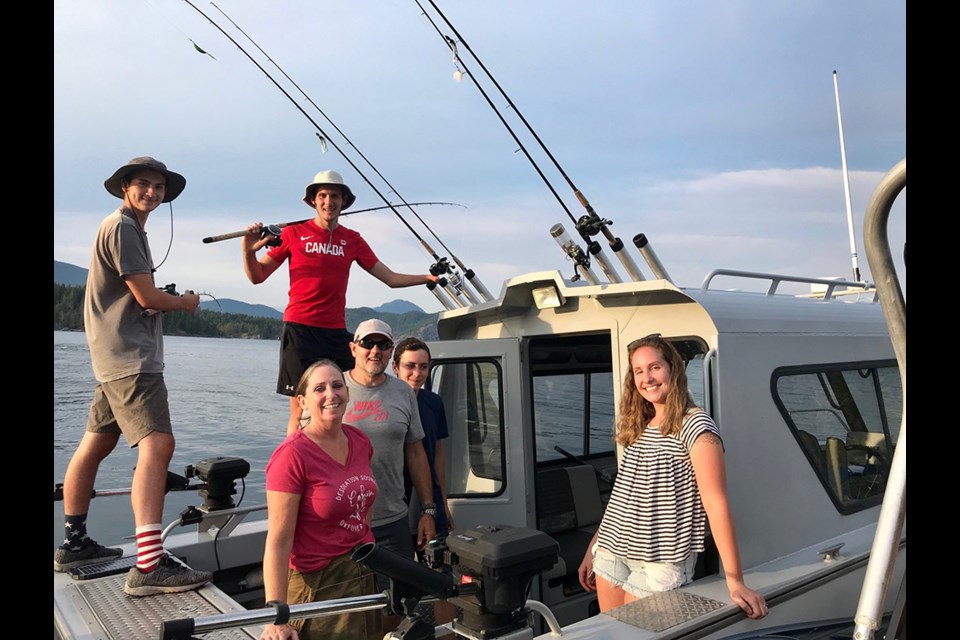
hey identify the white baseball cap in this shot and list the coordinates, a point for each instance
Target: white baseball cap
(371, 327)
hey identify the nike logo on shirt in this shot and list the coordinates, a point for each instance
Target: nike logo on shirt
(302, 238)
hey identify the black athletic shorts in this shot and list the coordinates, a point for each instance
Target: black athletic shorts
(302, 345)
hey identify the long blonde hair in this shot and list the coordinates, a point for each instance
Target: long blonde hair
(636, 412)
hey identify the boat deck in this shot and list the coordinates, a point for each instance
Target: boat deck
(92, 605)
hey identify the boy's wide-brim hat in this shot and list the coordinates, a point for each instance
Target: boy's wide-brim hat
(175, 181)
(328, 178)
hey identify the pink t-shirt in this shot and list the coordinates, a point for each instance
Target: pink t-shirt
(320, 263)
(334, 498)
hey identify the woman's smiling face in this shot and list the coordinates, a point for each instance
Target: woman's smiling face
(651, 374)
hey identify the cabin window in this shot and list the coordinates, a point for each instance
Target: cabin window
(846, 418)
(575, 413)
(573, 400)
(472, 393)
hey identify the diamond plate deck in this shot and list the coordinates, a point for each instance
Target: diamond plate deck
(126, 618)
(664, 610)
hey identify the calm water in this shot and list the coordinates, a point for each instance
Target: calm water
(222, 401)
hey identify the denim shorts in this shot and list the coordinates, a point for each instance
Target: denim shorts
(640, 578)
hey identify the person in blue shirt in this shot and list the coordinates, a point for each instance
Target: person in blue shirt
(411, 363)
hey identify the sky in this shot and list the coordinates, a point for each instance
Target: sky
(710, 127)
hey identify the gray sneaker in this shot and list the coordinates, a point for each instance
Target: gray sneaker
(170, 576)
(65, 558)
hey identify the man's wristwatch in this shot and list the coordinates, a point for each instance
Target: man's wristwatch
(428, 509)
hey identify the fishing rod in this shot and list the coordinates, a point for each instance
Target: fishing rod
(441, 266)
(468, 273)
(581, 258)
(588, 225)
(277, 227)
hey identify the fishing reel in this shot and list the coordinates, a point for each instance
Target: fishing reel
(272, 232)
(591, 225)
(442, 268)
(168, 288)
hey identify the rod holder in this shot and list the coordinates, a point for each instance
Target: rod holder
(441, 296)
(640, 240)
(573, 251)
(616, 245)
(475, 281)
(595, 250)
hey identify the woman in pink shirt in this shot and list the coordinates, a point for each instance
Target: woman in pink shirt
(319, 495)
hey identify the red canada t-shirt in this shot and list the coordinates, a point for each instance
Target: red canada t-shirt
(320, 263)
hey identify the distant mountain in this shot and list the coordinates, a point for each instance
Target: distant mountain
(64, 273)
(398, 306)
(228, 305)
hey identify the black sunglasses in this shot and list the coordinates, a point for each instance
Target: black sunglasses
(385, 344)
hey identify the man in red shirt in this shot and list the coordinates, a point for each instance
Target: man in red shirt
(321, 252)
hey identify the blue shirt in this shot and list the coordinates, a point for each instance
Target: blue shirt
(434, 421)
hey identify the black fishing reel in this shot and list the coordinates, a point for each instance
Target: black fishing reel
(170, 288)
(579, 257)
(591, 225)
(441, 267)
(271, 231)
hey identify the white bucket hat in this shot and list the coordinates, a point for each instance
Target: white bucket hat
(327, 178)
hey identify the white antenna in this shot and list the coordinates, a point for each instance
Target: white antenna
(846, 186)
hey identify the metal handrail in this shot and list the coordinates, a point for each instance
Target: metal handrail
(776, 279)
(886, 541)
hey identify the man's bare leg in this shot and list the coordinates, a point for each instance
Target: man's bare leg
(81, 473)
(150, 477)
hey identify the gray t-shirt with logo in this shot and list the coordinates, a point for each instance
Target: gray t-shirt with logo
(388, 414)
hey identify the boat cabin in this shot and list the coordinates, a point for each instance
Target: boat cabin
(805, 391)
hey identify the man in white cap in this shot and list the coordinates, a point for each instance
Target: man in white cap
(124, 331)
(320, 252)
(385, 408)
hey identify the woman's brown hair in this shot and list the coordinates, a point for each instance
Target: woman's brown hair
(636, 412)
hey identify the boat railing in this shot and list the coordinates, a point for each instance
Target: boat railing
(775, 279)
(186, 628)
(886, 542)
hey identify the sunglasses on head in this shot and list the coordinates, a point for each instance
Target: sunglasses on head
(652, 338)
(368, 343)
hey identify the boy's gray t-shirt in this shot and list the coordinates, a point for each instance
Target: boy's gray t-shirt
(122, 341)
(388, 414)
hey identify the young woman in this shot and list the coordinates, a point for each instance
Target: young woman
(671, 480)
(320, 491)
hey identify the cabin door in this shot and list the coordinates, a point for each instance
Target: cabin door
(484, 391)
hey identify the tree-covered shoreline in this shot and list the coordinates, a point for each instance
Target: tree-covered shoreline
(68, 316)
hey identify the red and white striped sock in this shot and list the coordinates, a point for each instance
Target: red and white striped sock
(149, 547)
